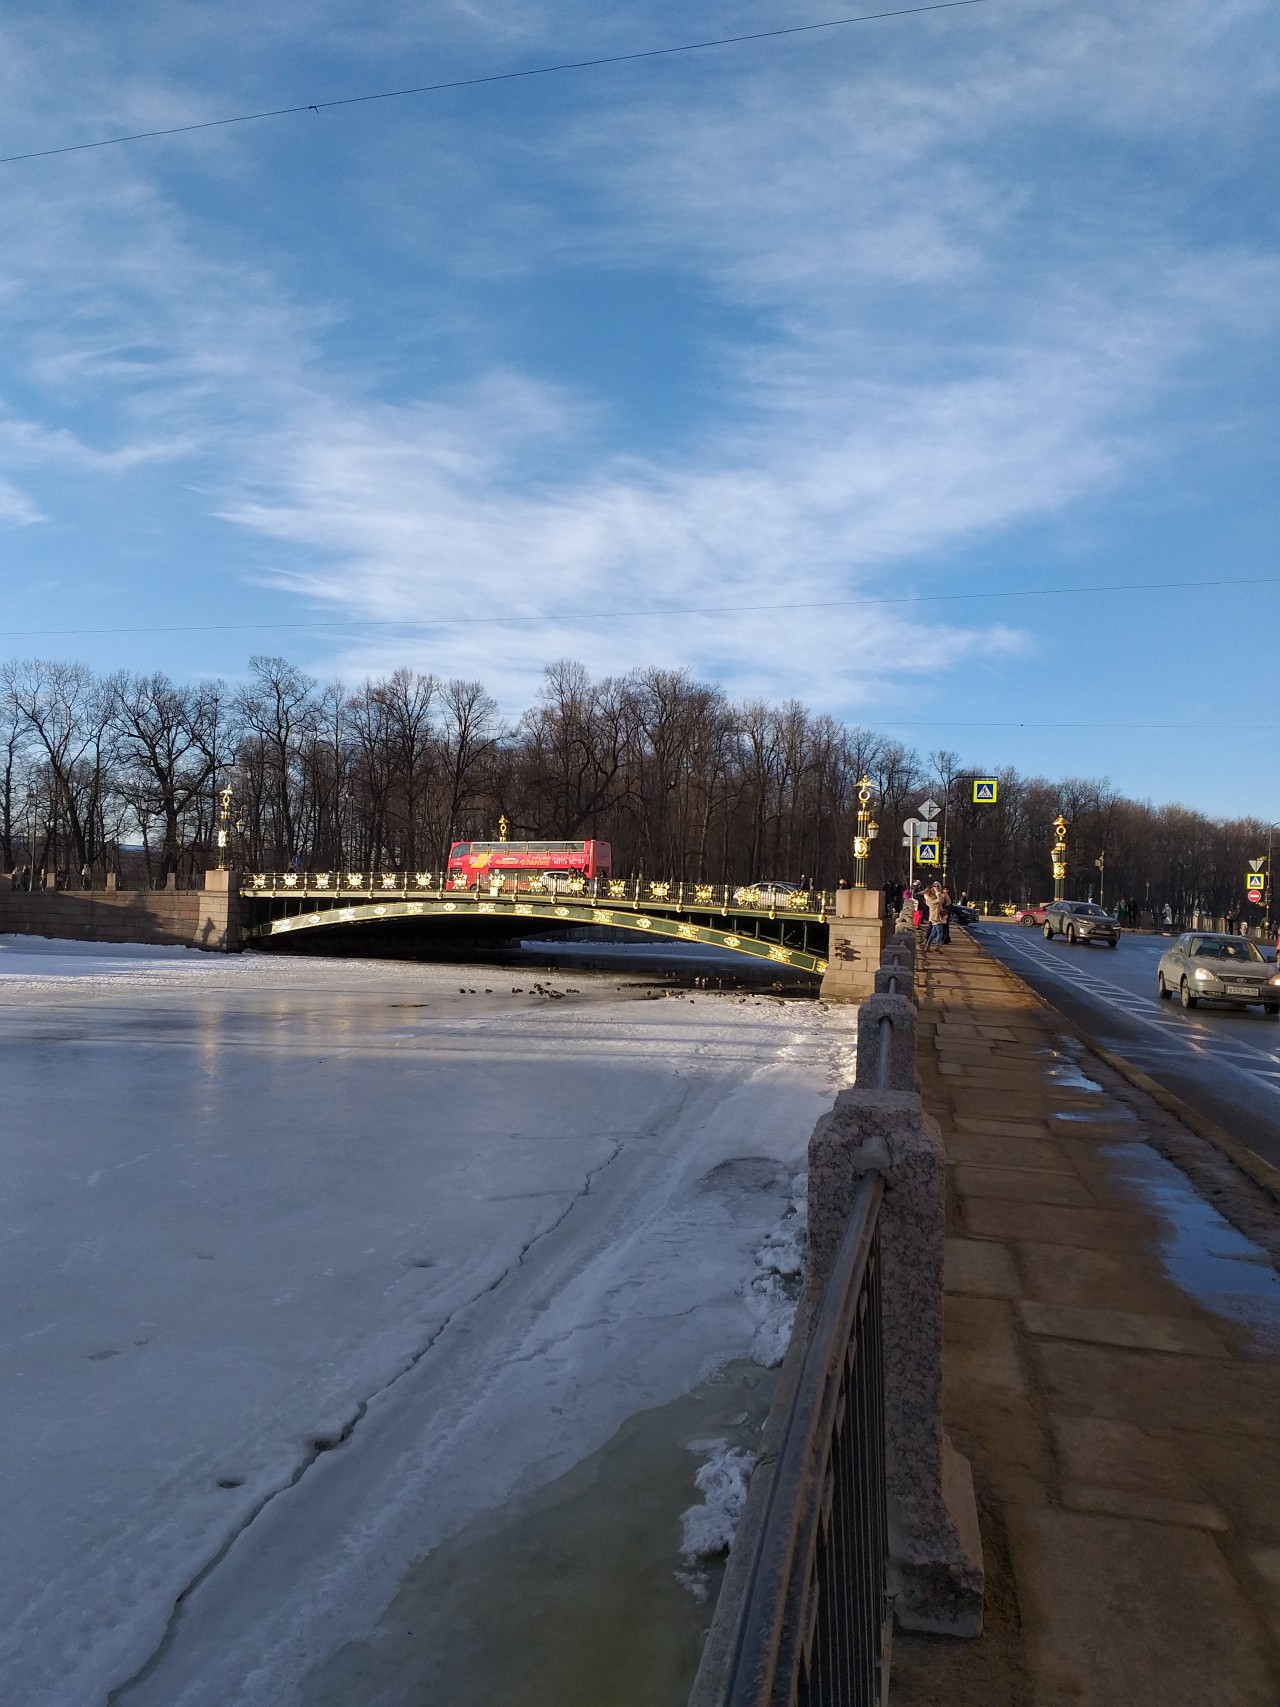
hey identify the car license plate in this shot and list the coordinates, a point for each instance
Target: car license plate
(1243, 990)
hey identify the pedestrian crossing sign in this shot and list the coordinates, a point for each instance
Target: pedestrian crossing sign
(926, 853)
(984, 791)
(1255, 880)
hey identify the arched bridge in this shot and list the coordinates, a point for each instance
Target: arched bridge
(787, 928)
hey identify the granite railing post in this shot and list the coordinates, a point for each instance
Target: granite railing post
(855, 938)
(219, 923)
(880, 1126)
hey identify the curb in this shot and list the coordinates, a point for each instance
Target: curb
(1260, 1171)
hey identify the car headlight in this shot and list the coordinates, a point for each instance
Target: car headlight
(1275, 980)
(1203, 977)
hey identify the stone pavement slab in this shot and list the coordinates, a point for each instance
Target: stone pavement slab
(980, 1267)
(1124, 1439)
(1140, 1331)
(1125, 1613)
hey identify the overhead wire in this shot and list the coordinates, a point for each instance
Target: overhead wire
(563, 618)
(488, 77)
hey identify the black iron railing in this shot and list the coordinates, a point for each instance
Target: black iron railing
(814, 1625)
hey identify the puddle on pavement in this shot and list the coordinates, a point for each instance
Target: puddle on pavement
(1202, 1251)
(569, 1597)
(1069, 1076)
(1114, 1115)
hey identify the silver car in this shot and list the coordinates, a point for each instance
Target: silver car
(1211, 966)
(771, 892)
(1080, 921)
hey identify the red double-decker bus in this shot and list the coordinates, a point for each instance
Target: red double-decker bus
(476, 862)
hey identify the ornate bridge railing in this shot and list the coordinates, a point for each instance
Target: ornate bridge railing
(784, 926)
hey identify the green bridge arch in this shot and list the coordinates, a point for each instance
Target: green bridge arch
(736, 934)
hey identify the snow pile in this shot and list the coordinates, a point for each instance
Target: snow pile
(773, 1291)
(707, 1530)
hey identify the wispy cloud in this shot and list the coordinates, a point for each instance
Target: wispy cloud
(939, 324)
(16, 509)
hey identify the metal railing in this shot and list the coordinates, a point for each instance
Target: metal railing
(814, 1626)
(633, 891)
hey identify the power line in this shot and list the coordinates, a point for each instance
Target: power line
(563, 619)
(1185, 728)
(475, 82)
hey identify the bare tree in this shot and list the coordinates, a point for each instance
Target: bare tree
(166, 739)
(67, 710)
(280, 714)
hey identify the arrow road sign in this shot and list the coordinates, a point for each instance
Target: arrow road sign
(929, 810)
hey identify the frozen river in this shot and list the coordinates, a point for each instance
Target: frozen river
(313, 1269)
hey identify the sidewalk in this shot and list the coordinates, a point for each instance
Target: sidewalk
(1124, 1438)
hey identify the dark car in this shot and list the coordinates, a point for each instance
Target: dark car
(1080, 921)
(963, 914)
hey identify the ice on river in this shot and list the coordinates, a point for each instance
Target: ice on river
(307, 1262)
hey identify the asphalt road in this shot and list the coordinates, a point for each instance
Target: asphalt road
(1223, 1062)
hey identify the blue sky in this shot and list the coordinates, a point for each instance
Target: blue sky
(978, 301)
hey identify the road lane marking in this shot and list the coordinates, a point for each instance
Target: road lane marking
(1192, 1034)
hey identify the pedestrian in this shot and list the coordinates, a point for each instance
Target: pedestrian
(936, 910)
(1167, 916)
(86, 876)
(946, 916)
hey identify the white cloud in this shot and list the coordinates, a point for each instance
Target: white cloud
(16, 509)
(950, 333)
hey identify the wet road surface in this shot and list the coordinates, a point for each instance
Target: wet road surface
(1223, 1062)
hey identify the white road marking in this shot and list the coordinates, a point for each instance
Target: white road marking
(1225, 1052)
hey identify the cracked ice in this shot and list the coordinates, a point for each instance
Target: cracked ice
(310, 1261)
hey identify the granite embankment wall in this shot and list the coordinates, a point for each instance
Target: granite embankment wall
(190, 918)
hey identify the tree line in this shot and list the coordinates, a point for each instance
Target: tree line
(104, 770)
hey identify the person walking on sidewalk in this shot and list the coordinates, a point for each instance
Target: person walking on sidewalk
(937, 907)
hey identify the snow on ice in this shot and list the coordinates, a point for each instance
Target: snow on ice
(309, 1262)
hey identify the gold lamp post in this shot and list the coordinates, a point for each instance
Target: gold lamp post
(867, 831)
(1059, 857)
(224, 826)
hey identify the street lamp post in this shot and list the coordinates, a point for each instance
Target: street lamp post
(1059, 857)
(31, 838)
(224, 827)
(866, 833)
(1101, 863)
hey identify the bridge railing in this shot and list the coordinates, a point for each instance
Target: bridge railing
(855, 1437)
(814, 1621)
(618, 891)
